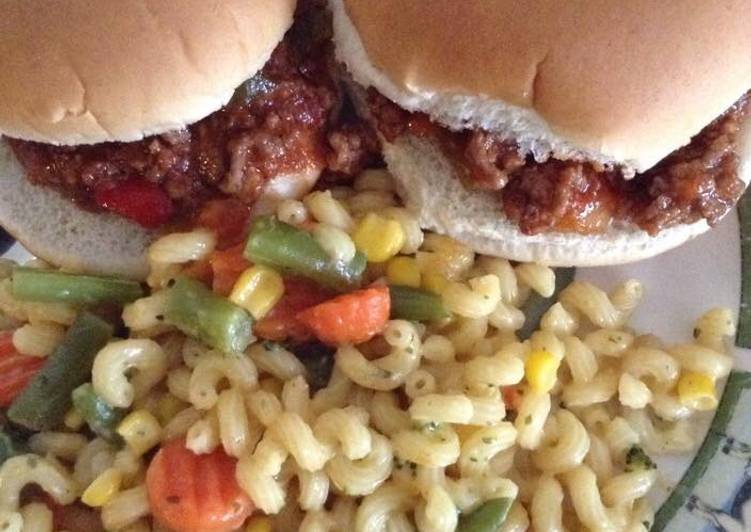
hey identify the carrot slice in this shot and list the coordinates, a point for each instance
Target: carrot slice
(16, 370)
(281, 322)
(195, 493)
(351, 318)
(227, 265)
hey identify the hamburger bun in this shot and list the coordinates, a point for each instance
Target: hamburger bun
(429, 187)
(82, 72)
(120, 71)
(609, 81)
(54, 228)
(598, 81)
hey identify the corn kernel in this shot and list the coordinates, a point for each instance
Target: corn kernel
(103, 488)
(140, 430)
(257, 290)
(434, 282)
(73, 420)
(167, 407)
(403, 271)
(697, 390)
(541, 370)
(259, 523)
(378, 237)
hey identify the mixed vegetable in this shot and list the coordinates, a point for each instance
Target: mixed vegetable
(42, 285)
(216, 321)
(490, 516)
(413, 304)
(637, 459)
(267, 280)
(17, 370)
(295, 251)
(43, 402)
(101, 418)
(189, 492)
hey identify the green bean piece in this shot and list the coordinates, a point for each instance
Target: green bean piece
(536, 305)
(287, 248)
(46, 399)
(31, 284)
(413, 304)
(100, 416)
(9, 446)
(488, 517)
(214, 320)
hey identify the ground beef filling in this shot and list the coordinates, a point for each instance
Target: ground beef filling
(698, 181)
(283, 121)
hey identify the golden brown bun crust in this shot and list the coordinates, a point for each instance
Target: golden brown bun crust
(82, 71)
(630, 79)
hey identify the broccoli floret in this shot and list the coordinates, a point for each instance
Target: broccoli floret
(638, 460)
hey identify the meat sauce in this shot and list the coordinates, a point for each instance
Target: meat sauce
(283, 121)
(698, 181)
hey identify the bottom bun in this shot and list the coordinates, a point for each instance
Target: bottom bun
(55, 229)
(430, 187)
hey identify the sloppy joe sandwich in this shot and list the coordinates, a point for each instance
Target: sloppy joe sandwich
(131, 115)
(572, 133)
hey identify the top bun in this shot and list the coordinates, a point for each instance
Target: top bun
(82, 72)
(611, 81)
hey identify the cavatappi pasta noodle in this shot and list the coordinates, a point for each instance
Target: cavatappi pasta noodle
(422, 415)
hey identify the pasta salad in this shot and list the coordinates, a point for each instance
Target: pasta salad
(333, 367)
